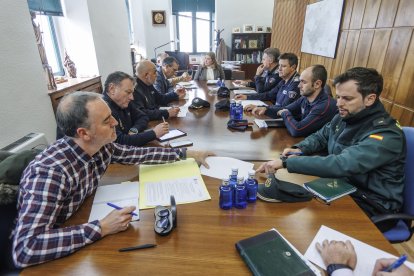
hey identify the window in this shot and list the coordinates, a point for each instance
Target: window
(194, 25)
(50, 43)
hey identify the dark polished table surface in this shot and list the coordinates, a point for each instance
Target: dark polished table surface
(204, 241)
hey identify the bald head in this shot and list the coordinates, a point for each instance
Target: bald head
(146, 71)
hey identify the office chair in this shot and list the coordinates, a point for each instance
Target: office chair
(404, 229)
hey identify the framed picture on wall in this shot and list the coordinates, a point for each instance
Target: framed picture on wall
(236, 30)
(158, 18)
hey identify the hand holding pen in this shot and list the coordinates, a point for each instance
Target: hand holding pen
(392, 267)
(291, 152)
(117, 221)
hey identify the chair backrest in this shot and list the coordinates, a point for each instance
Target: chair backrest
(409, 171)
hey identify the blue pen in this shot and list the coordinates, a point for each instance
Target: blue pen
(294, 153)
(396, 264)
(118, 208)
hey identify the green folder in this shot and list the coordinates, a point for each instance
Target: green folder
(329, 189)
(270, 254)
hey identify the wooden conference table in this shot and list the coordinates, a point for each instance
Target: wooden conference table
(203, 242)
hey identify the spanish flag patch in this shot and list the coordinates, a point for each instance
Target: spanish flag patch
(378, 137)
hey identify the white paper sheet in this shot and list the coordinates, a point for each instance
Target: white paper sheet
(245, 91)
(220, 167)
(122, 195)
(185, 190)
(366, 254)
(173, 133)
(255, 102)
(183, 109)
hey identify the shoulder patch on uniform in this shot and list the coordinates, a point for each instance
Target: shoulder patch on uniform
(379, 122)
(292, 94)
(376, 136)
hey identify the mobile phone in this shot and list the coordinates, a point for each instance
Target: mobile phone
(181, 143)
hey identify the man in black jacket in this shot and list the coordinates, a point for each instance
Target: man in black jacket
(148, 99)
(132, 122)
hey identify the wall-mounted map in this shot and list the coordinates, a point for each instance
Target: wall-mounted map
(320, 34)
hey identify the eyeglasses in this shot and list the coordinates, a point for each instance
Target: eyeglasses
(164, 221)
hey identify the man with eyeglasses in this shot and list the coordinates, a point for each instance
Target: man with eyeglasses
(286, 91)
(149, 99)
(165, 72)
(267, 76)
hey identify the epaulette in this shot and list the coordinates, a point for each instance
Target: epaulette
(380, 122)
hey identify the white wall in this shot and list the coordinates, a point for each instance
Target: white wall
(236, 13)
(147, 36)
(25, 104)
(109, 24)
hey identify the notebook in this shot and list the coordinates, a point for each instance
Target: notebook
(172, 134)
(269, 253)
(329, 189)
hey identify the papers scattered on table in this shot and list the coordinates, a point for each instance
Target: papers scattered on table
(367, 255)
(238, 85)
(220, 167)
(254, 102)
(245, 91)
(172, 134)
(122, 195)
(181, 179)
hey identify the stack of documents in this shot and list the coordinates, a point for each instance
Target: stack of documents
(245, 91)
(253, 102)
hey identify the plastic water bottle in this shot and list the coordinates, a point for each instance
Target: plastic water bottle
(219, 82)
(238, 113)
(233, 177)
(232, 108)
(240, 201)
(222, 83)
(225, 195)
(251, 186)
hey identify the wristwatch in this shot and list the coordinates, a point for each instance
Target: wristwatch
(182, 153)
(332, 267)
(283, 158)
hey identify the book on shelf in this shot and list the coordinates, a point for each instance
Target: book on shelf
(329, 189)
(269, 253)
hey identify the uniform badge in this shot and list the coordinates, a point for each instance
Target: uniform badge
(268, 183)
(292, 94)
(284, 92)
(271, 80)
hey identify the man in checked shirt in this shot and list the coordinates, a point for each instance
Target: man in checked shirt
(56, 183)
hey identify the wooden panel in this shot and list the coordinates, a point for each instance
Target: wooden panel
(347, 13)
(350, 50)
(287, 25)
(405, 14)
(364, 46)
(387, 104)
(402, 114)
(394, 60)
(387, 13)
(371, 13)
(337, 62)
(377, 54)
(357, 15)
(405, 91)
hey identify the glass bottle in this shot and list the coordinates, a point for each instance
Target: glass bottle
(251, 186)
(225, 195)
(240, 201)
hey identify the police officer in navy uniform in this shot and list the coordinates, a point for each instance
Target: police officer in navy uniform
(311, 111)
(267, 76)
(365, 145)
(285, 92)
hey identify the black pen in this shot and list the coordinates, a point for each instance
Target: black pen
(143, 246)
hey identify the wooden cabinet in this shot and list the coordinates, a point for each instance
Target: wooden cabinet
(77, 84)
(248, 49)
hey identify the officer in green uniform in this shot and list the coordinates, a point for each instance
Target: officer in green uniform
(364, 144)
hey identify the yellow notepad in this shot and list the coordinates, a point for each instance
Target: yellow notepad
(181, 179)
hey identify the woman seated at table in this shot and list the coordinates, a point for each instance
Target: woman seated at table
(209, 70)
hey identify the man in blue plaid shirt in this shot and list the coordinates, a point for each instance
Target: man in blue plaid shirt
(56, 183)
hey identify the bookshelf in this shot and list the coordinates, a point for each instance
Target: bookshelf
(248, 49)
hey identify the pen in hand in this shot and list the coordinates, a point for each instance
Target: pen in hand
(149, 245)
(294, 153)
(396, 264)
(119, 208)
